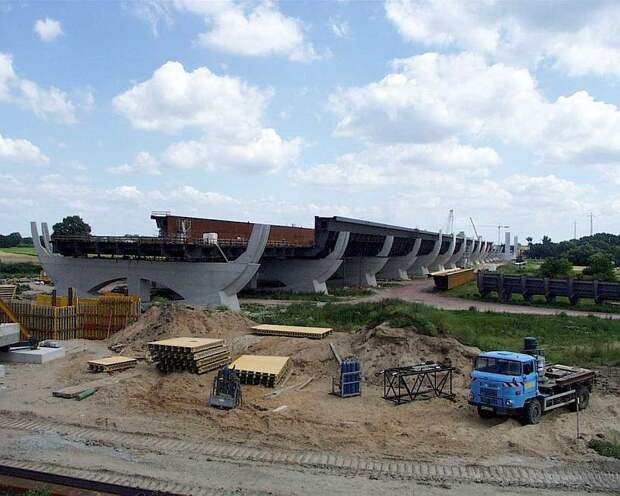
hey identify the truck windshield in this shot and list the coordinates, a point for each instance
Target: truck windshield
(498, 366)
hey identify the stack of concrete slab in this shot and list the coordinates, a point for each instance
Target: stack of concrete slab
(26, 355)
(292, 331)
(260, 369)
(196, 355)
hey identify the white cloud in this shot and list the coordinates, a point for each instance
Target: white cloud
(48, 29)
(339, 27)
(433, 97)
(153, 12)
(174, 99)
(226, 109)
(143, 163)
(423, 166)
(267, 152)
(45, 103)
(21, 151)
(580, 38)
(251, 30)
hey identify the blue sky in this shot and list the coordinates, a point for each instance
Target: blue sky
(396, 111)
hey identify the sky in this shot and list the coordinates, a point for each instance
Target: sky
(398, 111)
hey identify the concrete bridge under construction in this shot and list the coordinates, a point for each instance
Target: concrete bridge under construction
(206, 262)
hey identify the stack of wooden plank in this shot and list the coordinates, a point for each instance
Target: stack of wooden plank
(111, 364)
(196, 355)
(292, 331)
(7, 291)
(260, 369)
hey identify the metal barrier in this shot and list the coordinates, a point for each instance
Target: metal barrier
(573, 289)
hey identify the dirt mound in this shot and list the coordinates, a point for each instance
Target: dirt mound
(173, 320)
(383, 347)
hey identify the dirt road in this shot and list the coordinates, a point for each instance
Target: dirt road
(421, 291)
(202, 466)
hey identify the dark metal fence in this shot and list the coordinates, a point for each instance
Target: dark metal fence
(573, 289)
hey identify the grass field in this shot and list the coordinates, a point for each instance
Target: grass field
(334, 294)
(584, 341)
(20, 250)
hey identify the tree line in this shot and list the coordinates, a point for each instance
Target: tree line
(13, 239)
(599, 254)
(578, 251)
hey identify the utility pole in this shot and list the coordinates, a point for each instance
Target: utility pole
(575, 230)
(591, 221)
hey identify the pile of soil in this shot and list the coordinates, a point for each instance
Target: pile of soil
(174, 320)
(383, 347)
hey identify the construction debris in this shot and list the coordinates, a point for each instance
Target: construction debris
(260, 369)
(111, 364)
(226, 390)
(196, 355)
(292, 331)
(85, 394)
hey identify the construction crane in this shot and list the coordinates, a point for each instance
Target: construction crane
(499, 230)
(474, 226)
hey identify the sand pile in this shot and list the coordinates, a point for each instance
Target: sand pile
(174, 320)
(383, 347)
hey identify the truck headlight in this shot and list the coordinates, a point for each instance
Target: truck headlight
(508, 403)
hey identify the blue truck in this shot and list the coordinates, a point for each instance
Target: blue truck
(524, 386)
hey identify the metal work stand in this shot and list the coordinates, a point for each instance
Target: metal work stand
(417, 382)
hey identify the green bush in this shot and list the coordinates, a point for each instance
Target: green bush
(556, 267)
(25, 269)
(606, 448)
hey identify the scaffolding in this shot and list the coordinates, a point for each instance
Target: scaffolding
(418, 382)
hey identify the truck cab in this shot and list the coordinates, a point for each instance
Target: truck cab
(523, 385)
(502, 382)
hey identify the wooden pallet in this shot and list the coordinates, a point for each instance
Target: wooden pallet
(111, 364)
(292, 331)
(259, 369)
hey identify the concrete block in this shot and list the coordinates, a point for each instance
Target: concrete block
(9, 334)
(42, 355)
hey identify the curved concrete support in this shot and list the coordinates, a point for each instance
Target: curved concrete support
(442, 259)
(457, 256)
(422, 263)
(396, 267)
(305, 275)
(362, 271)
(475, 258)
(200, 284)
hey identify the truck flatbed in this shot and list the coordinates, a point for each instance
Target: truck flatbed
(560, 376)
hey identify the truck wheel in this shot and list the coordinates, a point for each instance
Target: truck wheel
(533, 412)
(485, 414)
(584, 399)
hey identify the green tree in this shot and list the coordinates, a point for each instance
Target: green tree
(72, 225)
(13, 239)
(601, 267)
(556, 267)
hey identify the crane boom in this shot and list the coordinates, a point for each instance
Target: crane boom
(474, 226)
